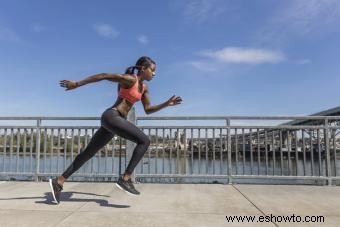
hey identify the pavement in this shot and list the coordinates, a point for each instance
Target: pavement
(102, 204)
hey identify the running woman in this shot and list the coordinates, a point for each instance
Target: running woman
(131, 89)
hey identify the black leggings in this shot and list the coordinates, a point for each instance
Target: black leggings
(112, 123)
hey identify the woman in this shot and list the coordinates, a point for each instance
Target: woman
(113, 121)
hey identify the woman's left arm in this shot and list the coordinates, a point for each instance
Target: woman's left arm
(174, 100)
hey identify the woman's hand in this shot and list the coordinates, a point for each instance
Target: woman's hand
(69, 85)
(174, 100)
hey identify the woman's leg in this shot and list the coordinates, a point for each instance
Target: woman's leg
(112, 121)
(98, 141)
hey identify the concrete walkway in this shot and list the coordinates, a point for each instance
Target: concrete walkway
(102, 204)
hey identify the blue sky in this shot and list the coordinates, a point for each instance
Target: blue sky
(222, 57)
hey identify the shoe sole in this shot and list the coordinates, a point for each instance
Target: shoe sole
(51, 186)
(125, 190)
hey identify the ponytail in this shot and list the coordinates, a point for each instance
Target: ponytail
(142, 61)
(130, 70)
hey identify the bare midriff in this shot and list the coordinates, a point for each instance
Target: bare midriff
(122, 106)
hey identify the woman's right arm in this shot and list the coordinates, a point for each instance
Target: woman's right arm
(125, 80)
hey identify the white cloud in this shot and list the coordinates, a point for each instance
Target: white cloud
(204, 66)
(299, 18)
(142, 39)
(106, 31)
(306, 15)
(296, 19)
(244, 55)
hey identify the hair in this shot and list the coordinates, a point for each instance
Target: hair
(142, 61)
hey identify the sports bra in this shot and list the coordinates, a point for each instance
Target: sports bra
(131, 94)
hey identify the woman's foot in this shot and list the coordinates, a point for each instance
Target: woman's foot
(56, 188)
(61, 180)
(127, 186)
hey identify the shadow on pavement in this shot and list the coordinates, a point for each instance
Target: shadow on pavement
(69, 197)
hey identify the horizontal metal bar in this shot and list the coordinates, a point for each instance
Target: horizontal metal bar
(277, 177)
(56, 174)
(183, 176)
(16, 174)
(187, 118)
(82, 175)
(69, 127)
(17, 127)
(233, 176)
(239, 118)
(50, 118)
(178, 127)
(334, 178)
(234, 127)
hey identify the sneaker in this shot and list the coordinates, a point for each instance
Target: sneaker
(56, 189)
(127, 186)
(133, 187)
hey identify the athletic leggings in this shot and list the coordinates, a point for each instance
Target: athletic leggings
(112, 123)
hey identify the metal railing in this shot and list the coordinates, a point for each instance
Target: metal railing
(231, 152)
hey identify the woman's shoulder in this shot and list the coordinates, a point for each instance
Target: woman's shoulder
(129, 80)
(145, 87)
(130, 76)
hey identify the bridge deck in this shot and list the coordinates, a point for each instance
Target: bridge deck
(101, 204)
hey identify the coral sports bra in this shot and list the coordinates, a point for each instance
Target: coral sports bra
(131, 94)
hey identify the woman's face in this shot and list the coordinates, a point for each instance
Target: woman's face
(149, 72)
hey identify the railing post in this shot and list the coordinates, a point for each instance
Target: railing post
(181, 153)
(37, 151)
(229, 152)
(130, 146)
(328, 159)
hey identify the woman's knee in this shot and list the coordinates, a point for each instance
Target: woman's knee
(145, 140)
(148, 141)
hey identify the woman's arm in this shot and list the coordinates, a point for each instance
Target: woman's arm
(174, 100)
(125, 80)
